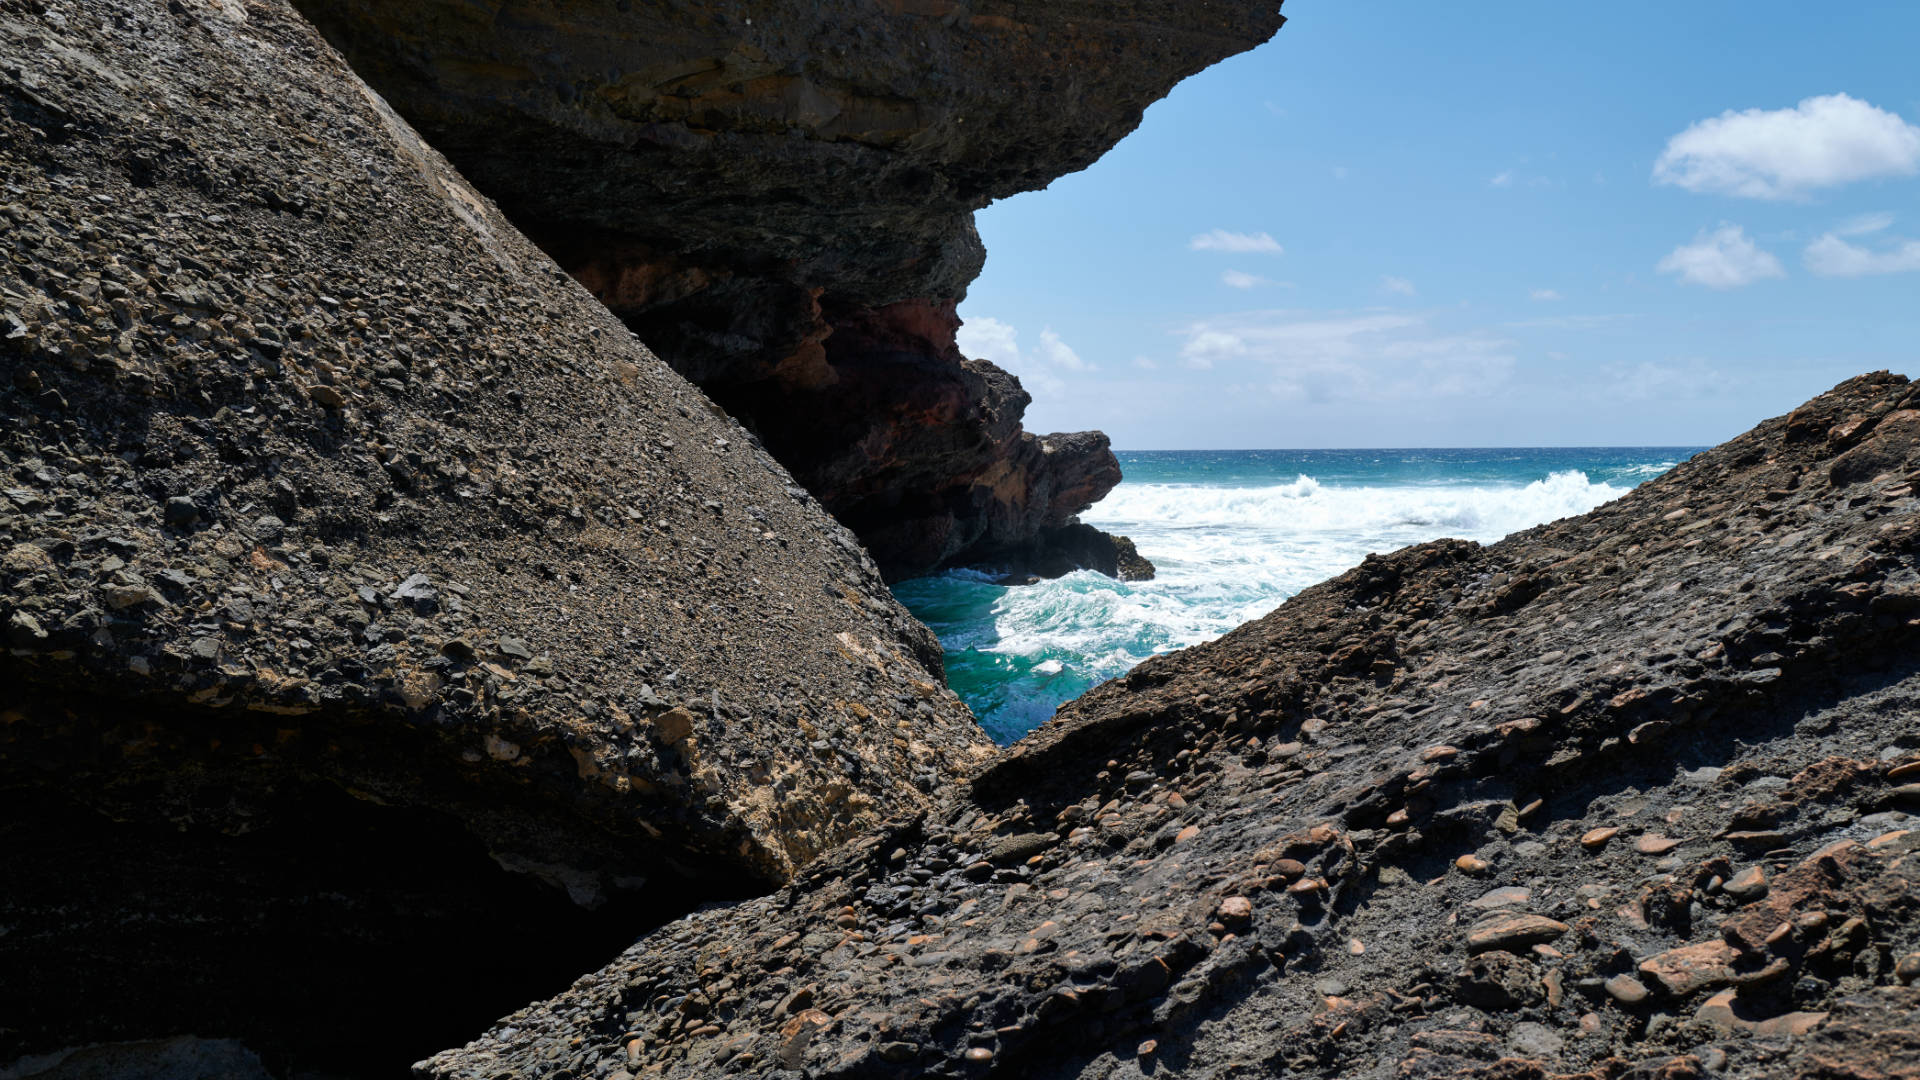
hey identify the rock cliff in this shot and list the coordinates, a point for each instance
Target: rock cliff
(778, 196)
(1622, 795)
(375, 605)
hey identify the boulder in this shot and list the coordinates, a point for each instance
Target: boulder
(385, 625)
(1256, 867)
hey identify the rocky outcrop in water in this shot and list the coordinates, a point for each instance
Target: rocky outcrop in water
(388, 634)
(778, 197)
(1623, 795)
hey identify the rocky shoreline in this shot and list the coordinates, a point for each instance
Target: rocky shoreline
(391, 638)
(1624, 795)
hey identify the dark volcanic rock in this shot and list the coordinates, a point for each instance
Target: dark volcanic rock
(1367, 835)
(1080, 546)
(354, 556)
(778, 196)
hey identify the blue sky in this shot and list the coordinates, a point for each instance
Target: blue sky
(1511, 224)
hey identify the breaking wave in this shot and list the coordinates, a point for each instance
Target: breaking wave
(1226, 554)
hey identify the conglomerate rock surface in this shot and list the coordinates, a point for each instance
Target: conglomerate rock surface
(354, 556)
(778, 195)
(1622, 795)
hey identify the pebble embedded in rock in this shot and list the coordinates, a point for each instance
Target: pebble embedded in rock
(1234, 910)
(674, 726)
(1511, 932)
(1504, 896)
(1020, 848)
(1654, 844)
(1690, 968)
(1749, 884)
(1626, 989)
(1595, 839)
(182, 511)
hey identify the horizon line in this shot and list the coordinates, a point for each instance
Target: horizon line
(1405, 449)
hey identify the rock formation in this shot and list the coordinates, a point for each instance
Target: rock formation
(1622, 795)
(391, 637)
(374, 604)
(778, 195)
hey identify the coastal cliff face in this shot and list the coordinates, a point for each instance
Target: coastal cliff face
(778, 197)
(1622, 795)
(376, 607)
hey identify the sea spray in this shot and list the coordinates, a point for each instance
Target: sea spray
(1234, 533)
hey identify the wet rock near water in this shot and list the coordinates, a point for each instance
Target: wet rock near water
(1622, 795)
(1078, 546)
(374, 604)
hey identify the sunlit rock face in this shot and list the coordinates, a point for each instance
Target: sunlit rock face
(385, 634)
(1628, 794)
(756, 187)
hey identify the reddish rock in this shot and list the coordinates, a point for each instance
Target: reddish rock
(1511, 931)
(1692, 968)
(1595, 839)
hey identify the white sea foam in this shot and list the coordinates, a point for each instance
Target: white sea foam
(1306, 507)
(1231, 554)
(1226, 555)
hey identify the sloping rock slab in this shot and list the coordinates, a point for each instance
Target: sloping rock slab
(322, 491)
(1267, 849)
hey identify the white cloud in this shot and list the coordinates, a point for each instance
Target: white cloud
(1240, 279)
(1786, 153)
(1146, 363)
(1544, 294)
(990, 340)
(1204, 346)
(1356, 357)
(999, 343)
(1059, 353)
(1865, 224)
(1569, 322)
(1722, 259)
(1504, 179)
(1236, 243)
(1398, 285)
(1830, 256)
(1691, 378)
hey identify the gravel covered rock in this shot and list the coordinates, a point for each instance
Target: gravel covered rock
(778, 195)
(320, 485)
(1259, 862)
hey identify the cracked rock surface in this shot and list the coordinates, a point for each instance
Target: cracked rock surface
(336, 521)
(1622, 795)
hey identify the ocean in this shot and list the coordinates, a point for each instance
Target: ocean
(1234, 533)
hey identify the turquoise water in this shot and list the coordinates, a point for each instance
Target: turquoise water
(1234, 533)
